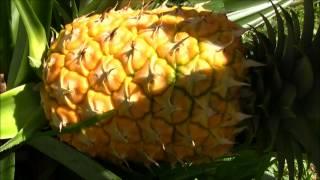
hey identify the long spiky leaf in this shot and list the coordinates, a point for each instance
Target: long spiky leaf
(35, 30)
(287, 59)
(308, 24)
(76, 127)
(6, 40)
(7, 167)
(75, 12)
(19, 69)
(61, 12)
(296, 25)
(280, 33)
(270, 31)
(71, 158)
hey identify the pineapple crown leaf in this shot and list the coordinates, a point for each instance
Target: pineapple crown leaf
(270, 30)
(280, 34)
(296, 24)
(308, 24)
(288, 83)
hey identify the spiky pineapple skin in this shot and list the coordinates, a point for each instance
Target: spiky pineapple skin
(171, 74)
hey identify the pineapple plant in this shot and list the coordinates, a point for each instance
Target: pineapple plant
(182, 86)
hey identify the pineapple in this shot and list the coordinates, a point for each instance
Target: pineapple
(181, 84)
(173, 75)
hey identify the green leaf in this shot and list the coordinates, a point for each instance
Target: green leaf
(7, 167)
(276, 81)
(306, 135)
(35, 121)
(245, 11)
(35, 30)
(273, 126)
(287, 97)
(308, 24)
(105, 5)
(280, 34)
(84, 3)
(20, 70)
(289, 156)
(270, 31)
(83, 124)
(5, 36)
(299, 158)
(16, 107)
(43, 11)
(311, 106)
(288, 60)
(215, 6)
(15, 18)
(71, 158)
(96, 6)
(232, 168)
(296, 25)
(266, 44)
(74, 7)
(303, 76)
(236, 5)
(61, 12)
(89, 8)
(19, 67)
(281, 162)
(250, 16)
(316, 40)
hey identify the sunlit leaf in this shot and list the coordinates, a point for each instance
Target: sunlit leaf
(16, 107)
(35, 30)
(43, 11)
(250, 15)
(34, 122)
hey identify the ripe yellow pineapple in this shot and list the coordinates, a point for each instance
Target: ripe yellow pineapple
(172, 74)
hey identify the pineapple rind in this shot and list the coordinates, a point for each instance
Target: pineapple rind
(168, 73)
